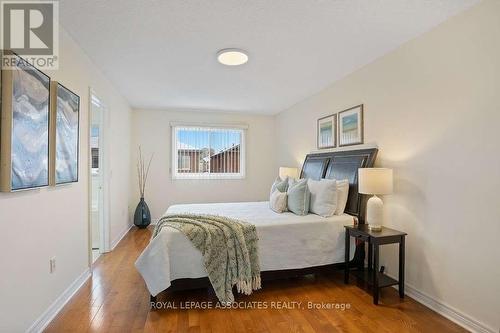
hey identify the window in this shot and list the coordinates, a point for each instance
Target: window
(94, 145)
(205, 152)
(184, 163)
(95, 158)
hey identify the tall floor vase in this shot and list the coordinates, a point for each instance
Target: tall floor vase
(142, 216)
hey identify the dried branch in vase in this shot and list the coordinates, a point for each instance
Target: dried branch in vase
(143, 172)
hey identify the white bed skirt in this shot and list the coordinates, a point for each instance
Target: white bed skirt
(286, 241)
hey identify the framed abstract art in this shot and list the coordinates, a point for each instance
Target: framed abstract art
(24, 132)
(351, 126)
(327, 132)
(64, 135)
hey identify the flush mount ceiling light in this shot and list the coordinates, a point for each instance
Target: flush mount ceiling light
(232, 57)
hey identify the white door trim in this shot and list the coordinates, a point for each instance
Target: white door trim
(104, 234)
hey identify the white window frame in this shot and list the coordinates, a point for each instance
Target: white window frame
(174, 126)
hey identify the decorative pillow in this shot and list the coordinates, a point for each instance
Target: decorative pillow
(280, 185)
(342, 194)
(323, 196)
(298, 197)
(278, 201)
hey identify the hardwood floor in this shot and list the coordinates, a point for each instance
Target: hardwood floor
(115, 299)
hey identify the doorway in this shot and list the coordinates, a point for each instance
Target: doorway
(97, 179)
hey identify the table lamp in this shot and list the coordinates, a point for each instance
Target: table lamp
(375, 181)
(288, 172)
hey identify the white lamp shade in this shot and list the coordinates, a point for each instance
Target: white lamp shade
(288, 172)
(375, 181)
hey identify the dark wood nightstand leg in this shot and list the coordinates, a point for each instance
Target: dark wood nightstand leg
(402, 267)
(375, 274)
(370, 255)
(361, 261)
(347, 248)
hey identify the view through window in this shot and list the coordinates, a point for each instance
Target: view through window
(206, 152)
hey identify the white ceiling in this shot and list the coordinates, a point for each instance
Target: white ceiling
(162, 54)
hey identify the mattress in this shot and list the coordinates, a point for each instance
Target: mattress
(286, 241)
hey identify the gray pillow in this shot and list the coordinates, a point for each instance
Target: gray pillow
(280, 185)
(298, 197)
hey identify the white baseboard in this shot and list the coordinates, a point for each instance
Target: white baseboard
(49, 314)
(117, 240)
(446, 311)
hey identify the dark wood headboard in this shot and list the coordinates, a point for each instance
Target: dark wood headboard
(342, 165)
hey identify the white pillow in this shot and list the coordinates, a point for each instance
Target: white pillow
(277, 201)
(342, 194)
(323, 196)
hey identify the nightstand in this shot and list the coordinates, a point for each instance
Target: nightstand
(372, 275)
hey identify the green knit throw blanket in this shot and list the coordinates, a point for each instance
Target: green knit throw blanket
(229, 248)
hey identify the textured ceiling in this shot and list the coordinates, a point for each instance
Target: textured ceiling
(162, 54)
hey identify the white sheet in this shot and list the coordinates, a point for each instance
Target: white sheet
(286, 241)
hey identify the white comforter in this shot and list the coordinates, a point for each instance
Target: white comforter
(286, 241)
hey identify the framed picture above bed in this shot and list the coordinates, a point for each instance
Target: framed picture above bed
(351, 126)
(24, 150)
(64, 135)
(327, 132)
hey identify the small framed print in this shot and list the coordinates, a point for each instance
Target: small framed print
(351, 126)
(327, 132)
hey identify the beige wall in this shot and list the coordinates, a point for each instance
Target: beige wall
(40, 224)
(151, 130)
(433, 108)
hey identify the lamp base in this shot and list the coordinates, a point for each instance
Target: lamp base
(374, 227)
(374, 212)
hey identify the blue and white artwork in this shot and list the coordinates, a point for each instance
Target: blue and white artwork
(351, 126)
(67, 131)
(327, 132)
(30, 127)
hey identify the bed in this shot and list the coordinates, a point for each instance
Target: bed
(288, 244)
